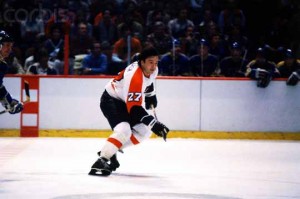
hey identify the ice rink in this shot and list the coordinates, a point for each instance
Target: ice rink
(57, 168)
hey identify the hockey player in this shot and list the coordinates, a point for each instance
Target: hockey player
(235, 64)
(262, 69)
(122, 105)
(290, 68)
(11, 105)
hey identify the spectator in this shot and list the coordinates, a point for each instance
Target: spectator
(81, 18)
(55, 47)
(190, 41)
(154, 16)
(174, 63)
(204, 64)
(208, 19)
(236, 35)
(81, 5)
(209, 30)
(107, 50)
(81, 43)
(14, 66)
(234, 65)
(178, 26)
(132, 12)
(125, 48)
(30, 28)
(97, 8)
(41, 65)
(196, 9)
(136, 28)
(59, 19)
(262, 69)
(95, 63)
(32, 51)
(144, 8)
(159, 38)
(107, 29)
(55, 43)
(218, 47)
(231, 15)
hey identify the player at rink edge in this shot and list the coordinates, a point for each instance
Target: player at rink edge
(11, 105)
(122, 104)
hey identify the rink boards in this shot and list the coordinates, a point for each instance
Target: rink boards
(191, 107)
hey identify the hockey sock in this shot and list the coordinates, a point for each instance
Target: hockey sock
(140, 133)
(121, 135)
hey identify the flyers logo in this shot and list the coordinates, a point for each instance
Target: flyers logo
(134, 97)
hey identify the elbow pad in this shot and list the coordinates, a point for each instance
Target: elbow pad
(138, 114)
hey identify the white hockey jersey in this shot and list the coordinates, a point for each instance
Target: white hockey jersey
(131, 85)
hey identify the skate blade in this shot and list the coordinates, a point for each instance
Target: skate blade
(99, 172)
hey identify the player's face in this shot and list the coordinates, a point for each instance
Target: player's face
(149, 65)
(6, 49)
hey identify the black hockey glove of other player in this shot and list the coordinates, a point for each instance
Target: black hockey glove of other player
(150, 101)
(264, 82)
(263, 77)
(14, 107)
(293, 79)
(156, 127)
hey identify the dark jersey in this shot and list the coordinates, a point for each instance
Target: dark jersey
(205, 69)
(3, 70)
(4, 95)
(233, 67)
(178, 66)
(286, 71)
(266, 65)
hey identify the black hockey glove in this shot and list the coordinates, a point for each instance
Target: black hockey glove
(160, 129)
(264, 77)
(11, 105)
(293, 79)
(157, 127)
(15, 107)
(150, 101)
(264, 82)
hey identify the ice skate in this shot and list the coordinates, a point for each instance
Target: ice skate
(114, 163)
(100, 168)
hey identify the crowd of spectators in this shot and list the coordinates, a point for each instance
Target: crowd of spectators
(194, 37)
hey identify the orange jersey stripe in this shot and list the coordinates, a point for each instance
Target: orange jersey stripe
(115, 142)
(134, 97)
(133, 139)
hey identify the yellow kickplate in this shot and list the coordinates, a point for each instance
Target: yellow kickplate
(172, 134)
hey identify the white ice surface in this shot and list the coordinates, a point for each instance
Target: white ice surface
(56, 168)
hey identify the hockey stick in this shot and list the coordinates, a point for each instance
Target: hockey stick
(154, 113)
(26, 86)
